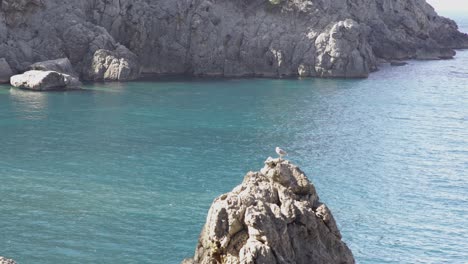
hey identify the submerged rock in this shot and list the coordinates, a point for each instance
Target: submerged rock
(5, 71)
(44, 81)
(274, 216)
(6, 261)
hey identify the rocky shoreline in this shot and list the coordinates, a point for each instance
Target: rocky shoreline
(274, 216)
(118, 40)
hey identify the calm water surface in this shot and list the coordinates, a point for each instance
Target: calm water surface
(125, 173)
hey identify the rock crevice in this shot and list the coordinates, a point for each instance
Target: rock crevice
(274, 216)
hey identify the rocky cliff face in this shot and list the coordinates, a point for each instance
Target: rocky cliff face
(274, 216)
(114, 39)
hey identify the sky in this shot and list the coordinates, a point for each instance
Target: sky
(450, 6)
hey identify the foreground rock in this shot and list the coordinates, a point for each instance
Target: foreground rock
(6, 261)
(274, 216)
(44, 81)
(5, 71)
(274, 38)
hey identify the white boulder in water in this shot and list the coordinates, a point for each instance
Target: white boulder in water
(44, 80)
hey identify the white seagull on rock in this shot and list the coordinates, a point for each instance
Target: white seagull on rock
(281, 152)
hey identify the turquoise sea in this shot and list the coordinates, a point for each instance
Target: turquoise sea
(125, 172)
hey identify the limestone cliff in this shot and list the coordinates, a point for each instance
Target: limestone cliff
(114, 39)
(274, 216)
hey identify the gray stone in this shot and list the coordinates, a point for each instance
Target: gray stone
(274, 216)
(62, 65)
(344, 52)
(5, 71)
(44, 30)
(43, 80)
(118, 65)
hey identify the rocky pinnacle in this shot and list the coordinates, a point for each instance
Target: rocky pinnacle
(273, 216)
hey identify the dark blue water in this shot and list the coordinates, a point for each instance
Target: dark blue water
(125, 173)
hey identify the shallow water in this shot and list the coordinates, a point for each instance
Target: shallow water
(125, 173)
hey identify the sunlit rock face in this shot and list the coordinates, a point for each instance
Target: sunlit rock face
(324, 38)
(274, 216)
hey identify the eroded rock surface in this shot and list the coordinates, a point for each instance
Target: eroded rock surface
(274, 216)
(37, 31)
(344, 52)
(118, 65)
(325, 38)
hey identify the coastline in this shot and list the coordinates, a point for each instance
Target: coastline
(130, 167)
(169, 77)
(221, 39)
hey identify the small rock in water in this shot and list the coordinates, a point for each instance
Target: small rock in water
(44, 81)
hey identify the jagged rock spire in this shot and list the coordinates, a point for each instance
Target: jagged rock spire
(274, 216)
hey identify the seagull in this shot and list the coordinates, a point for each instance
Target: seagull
(281, 152)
